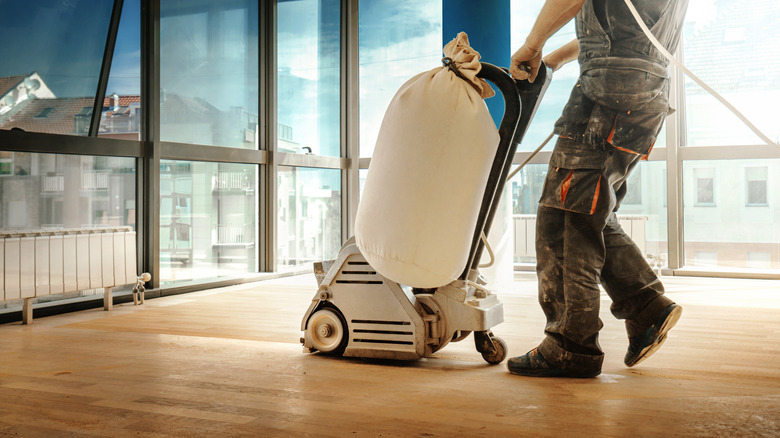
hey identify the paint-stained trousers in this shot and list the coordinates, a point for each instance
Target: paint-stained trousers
(579, 245)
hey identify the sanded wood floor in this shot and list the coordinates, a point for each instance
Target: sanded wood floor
(228, 362)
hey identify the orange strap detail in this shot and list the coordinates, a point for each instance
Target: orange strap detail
(624, 149)
(595, 197)
(565, 186)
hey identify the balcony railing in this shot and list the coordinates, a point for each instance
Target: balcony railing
(233, 235)
(94, 180)
(223, 180)
(53, 184)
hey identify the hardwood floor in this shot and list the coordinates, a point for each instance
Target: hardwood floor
(228, 362)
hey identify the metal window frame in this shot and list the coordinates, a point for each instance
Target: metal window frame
(149, 179)
(105, 68)
(266, 226)
(350, 116)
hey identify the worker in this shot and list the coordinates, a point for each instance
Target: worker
(610, 122)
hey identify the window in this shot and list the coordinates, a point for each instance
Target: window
(556, 96)
(705, 258)
(759, 260)
(45, 112)
(208, 220)
(705, 190)
(6, 163)
(66, 191)
(308, 78)
(526, 187)
(82, 119)
(309, 215)
(756, 185)
(646, 197)
(208, 72)
(665, 194)
(397, 41)
(730, 228)
(634, 188)
(742, 33)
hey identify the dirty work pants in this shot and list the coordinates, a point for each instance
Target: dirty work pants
(575, 252)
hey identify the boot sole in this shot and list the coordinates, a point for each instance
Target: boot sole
(660, 338)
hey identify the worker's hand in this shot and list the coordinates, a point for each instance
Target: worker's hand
(525, 63)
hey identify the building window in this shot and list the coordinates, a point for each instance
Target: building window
(44, 112)
(759, 260)
(705, 187)
(756, 185)
(705, 258)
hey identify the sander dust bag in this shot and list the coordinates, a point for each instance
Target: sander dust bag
(428, 174)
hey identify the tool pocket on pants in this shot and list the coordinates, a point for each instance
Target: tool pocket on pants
(574, 177)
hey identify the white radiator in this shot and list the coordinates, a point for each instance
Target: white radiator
(525, 234)
(37, 263)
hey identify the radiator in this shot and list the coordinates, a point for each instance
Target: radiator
(37, 263)
(525, 234)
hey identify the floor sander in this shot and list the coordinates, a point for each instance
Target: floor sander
(358, 312)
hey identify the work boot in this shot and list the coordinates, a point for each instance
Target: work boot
(533, 364)
(641, 346)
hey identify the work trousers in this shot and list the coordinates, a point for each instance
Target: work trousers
(576, 252)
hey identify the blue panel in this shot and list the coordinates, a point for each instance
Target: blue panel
(487, 24)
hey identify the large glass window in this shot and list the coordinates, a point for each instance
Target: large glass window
(731, 45)
(209, 72)
(308, 62)
(643, 212)
(309, 215)
(208, 219)
(51, 57)
(730, 231)
(65, 191)
(526, 189)
(398, 39)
